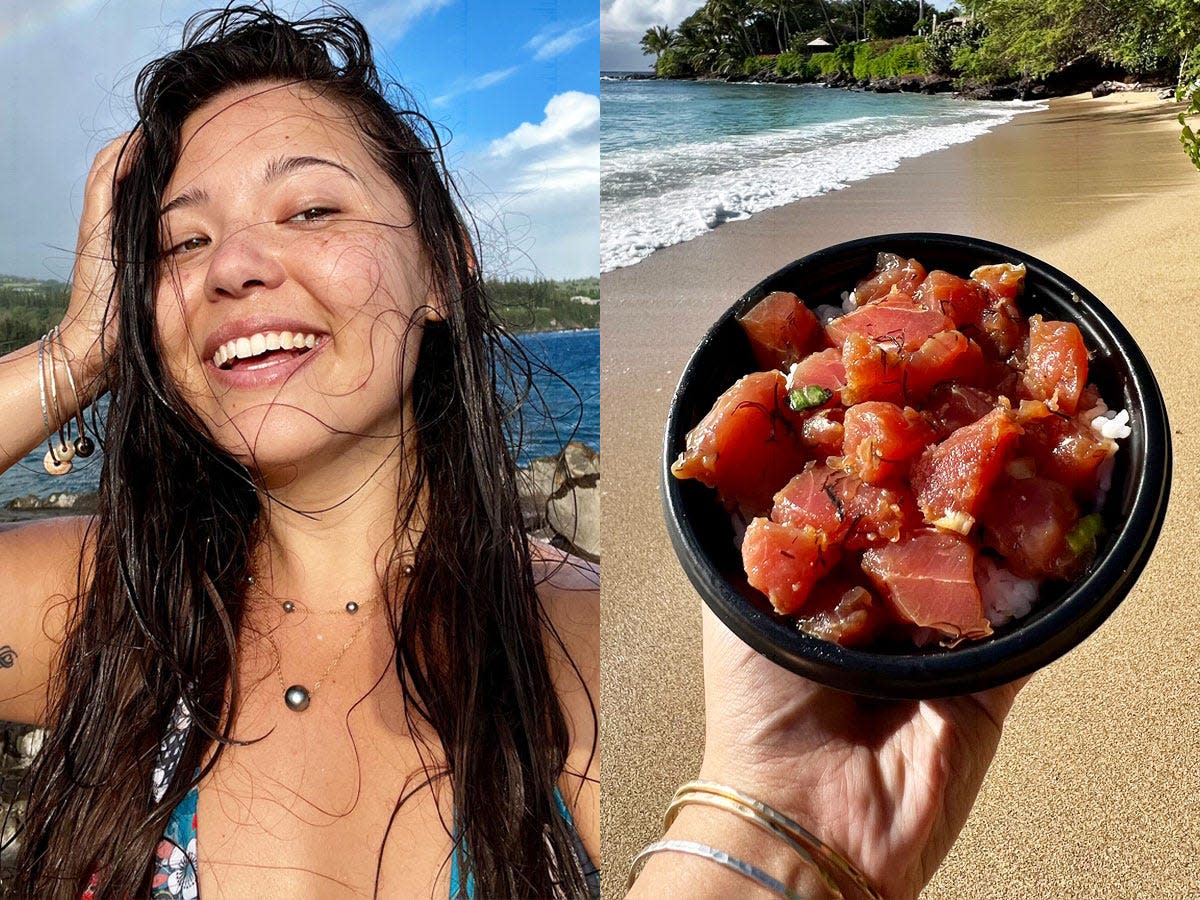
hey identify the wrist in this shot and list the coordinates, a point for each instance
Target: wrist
(85, 357)
(744, 840)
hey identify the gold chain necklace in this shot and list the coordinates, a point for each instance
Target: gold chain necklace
(297, 697)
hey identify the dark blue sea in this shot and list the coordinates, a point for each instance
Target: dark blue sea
(560, 409)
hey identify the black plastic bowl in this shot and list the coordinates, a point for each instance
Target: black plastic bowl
(1133, 513)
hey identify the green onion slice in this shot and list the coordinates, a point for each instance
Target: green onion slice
(800, 399)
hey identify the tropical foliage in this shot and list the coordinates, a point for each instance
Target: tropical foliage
(1001, 40)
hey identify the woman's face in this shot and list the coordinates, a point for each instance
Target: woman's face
(279, 228)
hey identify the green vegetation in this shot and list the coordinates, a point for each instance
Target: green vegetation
(29, 308)
(547, 305)
(887, 59)
(1000, 39)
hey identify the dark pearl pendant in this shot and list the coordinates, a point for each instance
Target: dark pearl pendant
(84, 446)
(352, 607)
(296, 697)
(289, 606)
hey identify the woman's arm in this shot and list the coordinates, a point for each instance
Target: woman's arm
(886, 784)
(40, 561)
(89, 315)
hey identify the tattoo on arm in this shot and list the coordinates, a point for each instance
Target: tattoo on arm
(7, 656)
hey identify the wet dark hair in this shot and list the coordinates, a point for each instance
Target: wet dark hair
(163, 604)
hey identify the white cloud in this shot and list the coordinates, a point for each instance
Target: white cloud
(567, 115)
(535, 192)
(553, 40)
(623, 22)
(479, 83)
(390, 20)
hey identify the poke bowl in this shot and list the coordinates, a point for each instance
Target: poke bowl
(707, 538)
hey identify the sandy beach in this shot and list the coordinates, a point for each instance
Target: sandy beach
(1094, 792)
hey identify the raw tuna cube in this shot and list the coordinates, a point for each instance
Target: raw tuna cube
(896, 318)
(1027, 520)
(1056, 365)
(929, 580)
(961, 299)
(881, 440)
(891, 271)
(748, 445)
(784, 562)
(781, 329)
(951, 479)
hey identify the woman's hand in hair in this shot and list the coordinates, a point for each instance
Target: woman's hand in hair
(889, 784)
(92, 312)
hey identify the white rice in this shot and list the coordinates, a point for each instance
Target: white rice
(1005, 596)
(1112, 425)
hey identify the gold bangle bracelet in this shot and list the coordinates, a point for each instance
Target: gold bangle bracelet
(828, 860)
(720, 857)
(685, 798)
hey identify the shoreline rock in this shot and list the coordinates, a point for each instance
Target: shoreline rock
(560, 501)
(1079, 76)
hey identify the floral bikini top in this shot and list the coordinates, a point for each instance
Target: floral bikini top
(176, 862)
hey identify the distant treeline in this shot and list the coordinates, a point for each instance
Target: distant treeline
(547, 305)
(987, 41)
(29, 308)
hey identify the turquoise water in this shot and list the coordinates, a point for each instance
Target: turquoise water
(679, 158)
(562, 409)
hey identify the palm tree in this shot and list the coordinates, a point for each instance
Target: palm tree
(657, 40)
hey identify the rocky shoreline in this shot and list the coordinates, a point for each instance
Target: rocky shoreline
(560, 501)
(1082, 75)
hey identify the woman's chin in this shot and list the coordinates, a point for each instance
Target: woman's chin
(281, 453)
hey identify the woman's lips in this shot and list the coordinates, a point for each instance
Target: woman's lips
(268, 371)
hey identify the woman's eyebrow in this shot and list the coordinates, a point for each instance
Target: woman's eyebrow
(187, 198)
(276, 168)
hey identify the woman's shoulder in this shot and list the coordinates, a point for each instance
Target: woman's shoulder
(45, 563)
(569, 588)
(46, 553)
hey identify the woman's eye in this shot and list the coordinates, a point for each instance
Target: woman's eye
(313, 214)
(187, 246)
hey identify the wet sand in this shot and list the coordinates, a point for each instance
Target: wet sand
(1095, 791)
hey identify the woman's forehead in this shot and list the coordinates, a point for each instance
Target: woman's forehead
(260, 120)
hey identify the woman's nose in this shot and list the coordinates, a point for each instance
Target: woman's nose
(245, 261)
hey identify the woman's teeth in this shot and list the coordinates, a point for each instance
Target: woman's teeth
(258, 344)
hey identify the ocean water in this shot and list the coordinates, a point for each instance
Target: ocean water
(566, 401)
(679, 158)
(560, 409)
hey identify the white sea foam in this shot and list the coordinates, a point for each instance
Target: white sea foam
(659, 196)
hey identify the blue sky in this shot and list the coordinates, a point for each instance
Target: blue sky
(513, 86)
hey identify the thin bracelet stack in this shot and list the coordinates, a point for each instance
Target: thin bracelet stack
(841, 878)
(61, 449)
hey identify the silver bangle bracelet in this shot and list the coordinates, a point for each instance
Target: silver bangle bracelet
(720, 857)
(84, 446)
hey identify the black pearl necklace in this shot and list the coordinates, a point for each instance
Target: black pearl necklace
(298, 697)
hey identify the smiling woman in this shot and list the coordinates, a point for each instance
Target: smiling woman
(305, 647)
